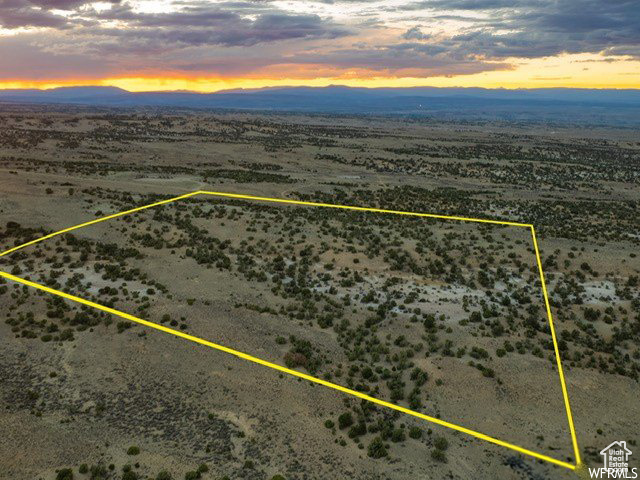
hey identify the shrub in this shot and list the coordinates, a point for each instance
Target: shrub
(415, 432)
(357, 430)
(294, 359)
(99, 471)
(488, 372)
(377, 448)
(66, 335)
(163, 475)
(398, 435)
(65, 474)
(441, 443)
(133, 450)
(345, 420)
(439, 455)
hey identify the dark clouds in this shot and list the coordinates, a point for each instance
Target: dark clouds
(411, 58)
(472, 4)
(17, 18)
(540, 28)
(197, 25)
(243, 36)
(22, 13)
(414, 33)
(38, 13)
(25, 57)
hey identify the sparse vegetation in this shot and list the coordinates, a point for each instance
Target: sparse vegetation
(409, 310)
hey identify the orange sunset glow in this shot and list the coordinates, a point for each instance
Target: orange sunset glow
(143, 46)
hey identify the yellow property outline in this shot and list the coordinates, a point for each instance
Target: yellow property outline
(304, 376)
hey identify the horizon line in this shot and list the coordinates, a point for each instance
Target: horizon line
(281, 87)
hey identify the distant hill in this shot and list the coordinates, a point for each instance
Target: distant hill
(600, 106)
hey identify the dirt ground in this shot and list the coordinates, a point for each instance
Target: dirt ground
(446, 318)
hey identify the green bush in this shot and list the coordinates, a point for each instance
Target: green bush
(345, 420)
(415, 432)
(377, 448)
(65, 474)
(357, 430)
(164, 475)
(439, 455)
(398, 435)
(441, 443)
(133, 450)
(99, 471)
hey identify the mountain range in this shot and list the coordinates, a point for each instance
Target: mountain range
(607, 106)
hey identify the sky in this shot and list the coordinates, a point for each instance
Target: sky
(143, 45)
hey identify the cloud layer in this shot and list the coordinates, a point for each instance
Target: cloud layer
(76, 38)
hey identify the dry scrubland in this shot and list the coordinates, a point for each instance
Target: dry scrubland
(439, 316)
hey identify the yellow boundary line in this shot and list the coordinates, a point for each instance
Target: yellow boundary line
(304, 376)
(97, 220)
(565, 394)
